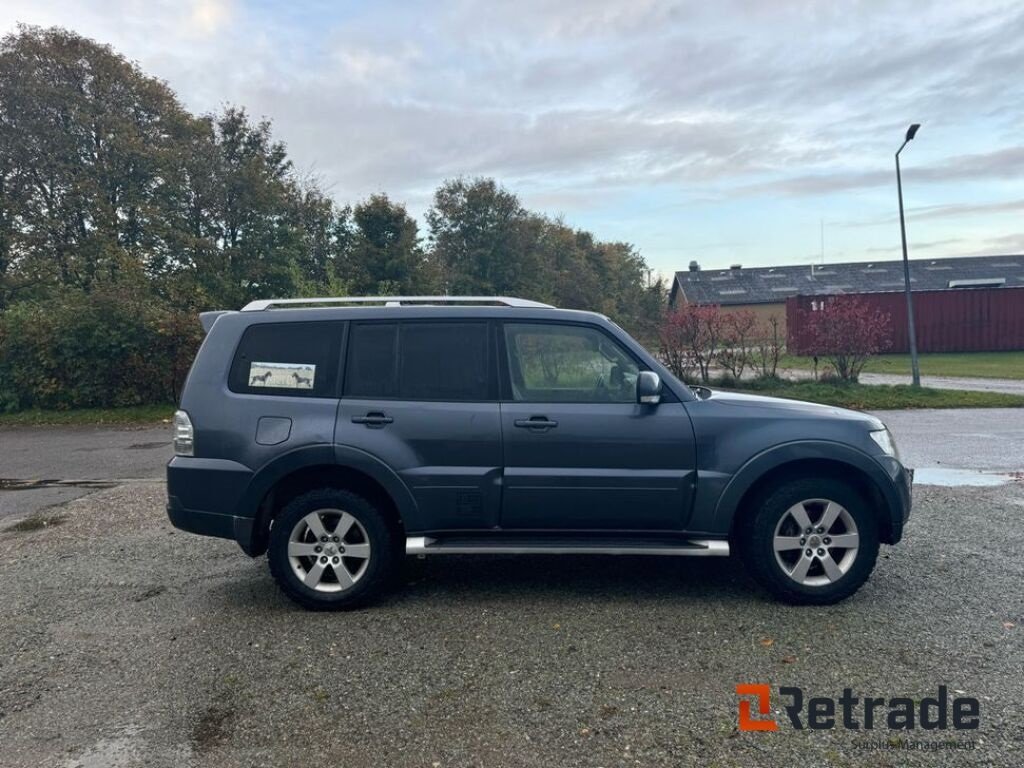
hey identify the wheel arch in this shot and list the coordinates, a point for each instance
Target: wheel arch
(738, 501)
(357, 472)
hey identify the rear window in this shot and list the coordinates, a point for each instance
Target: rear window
(293, 359)
(420, 361)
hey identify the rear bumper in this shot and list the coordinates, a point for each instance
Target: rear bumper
(202, 494)
(211, 524)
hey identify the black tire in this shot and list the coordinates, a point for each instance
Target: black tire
(371, 578)
(757, 535)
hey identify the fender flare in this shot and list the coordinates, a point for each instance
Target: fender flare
(389, 480)
(320, 455)
(857, 461)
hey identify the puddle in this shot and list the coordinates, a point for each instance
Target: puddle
(148, 446)
(13, 484)
(955, 478)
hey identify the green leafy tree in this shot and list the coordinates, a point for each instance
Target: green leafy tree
(86, 139)
(384, 254)
(480, 243)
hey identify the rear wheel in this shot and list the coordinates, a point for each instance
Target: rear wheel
(330, 549)
(811, 541)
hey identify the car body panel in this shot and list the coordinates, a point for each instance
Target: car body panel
(448, 456)
(742, 437)
(605, 465)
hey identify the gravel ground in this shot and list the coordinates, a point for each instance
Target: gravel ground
(127, 643)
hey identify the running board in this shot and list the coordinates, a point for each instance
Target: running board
(425, 545)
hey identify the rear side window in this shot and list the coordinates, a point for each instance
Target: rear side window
(420, 361)
(372, 360)
(294, 359)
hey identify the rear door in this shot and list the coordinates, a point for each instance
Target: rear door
(422, 397)
(580, 453)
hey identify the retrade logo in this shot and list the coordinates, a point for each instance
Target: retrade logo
(762, 692)
(855, 713)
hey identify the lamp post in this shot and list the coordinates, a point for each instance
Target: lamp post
(911, 333)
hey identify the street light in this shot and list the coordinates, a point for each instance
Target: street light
(911, 333)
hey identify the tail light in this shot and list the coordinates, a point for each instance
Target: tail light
(183, 444)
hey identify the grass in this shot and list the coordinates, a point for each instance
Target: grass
(880, 396)
(136, 414)
(986, 365)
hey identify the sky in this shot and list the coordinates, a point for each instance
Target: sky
(757, 132)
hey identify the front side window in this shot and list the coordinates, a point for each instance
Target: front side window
(568, 364)
(419, 361)
(294, 359)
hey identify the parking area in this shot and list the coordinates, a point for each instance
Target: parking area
(44, 466)
(125, 642)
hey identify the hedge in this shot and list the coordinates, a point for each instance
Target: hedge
(82, 350)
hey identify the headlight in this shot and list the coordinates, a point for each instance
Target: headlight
(884, 440)
(183, 445)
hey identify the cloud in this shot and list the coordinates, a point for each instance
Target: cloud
(918, 246)
(594, 106)
(1006, 163)
(210, 16)
(1008, 243)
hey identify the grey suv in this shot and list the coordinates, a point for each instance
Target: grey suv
(337, 435)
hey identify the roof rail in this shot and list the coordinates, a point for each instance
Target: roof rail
(394, 301)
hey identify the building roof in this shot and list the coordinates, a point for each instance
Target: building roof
(765, 285)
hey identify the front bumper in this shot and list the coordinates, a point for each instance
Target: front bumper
(901, 500)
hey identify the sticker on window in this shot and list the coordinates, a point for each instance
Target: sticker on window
(282, 375)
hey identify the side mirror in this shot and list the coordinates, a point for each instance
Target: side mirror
(648, 388)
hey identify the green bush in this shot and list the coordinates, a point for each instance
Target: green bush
(81, 350)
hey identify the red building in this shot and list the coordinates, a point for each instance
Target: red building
(950, 320)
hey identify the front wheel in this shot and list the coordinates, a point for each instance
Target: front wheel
(330, 550)
(811, 542)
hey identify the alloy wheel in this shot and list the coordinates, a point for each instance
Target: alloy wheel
(816, 542)
(329, 550)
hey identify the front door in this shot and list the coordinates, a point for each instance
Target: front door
(580, 452)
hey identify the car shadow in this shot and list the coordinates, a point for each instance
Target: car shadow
(509, 580)
(544, 577)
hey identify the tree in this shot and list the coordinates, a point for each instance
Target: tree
(846, 331)
(483, 241)
(480, 241)
(768, 346)
(690, 338)
(384, 254)
(247, 246)
(87, 140)
(737, 330)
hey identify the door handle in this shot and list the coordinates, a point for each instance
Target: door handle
(538, 423)
(374, 419)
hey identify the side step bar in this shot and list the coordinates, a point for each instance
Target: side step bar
(425, 545)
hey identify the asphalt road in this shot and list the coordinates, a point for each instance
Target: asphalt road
(969, 383)
(987, 439)
(36, 457)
